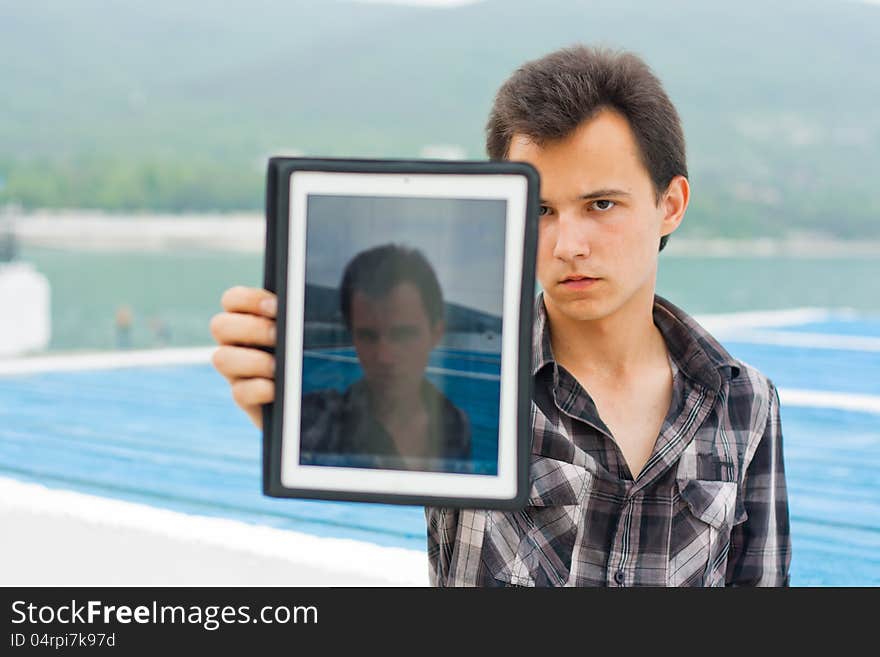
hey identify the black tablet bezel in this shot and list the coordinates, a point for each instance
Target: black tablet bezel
(275, 280)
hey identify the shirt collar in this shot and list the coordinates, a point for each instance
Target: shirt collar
(542, 350)
(697, 353)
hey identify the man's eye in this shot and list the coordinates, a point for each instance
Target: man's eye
(602, 205)
(366, 335)
(543, 210)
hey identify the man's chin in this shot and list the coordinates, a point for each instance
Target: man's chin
(579, 309)
(392, 389)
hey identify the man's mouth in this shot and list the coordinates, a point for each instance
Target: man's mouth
(578, 282)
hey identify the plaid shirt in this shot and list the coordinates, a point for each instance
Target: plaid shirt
(709, 508)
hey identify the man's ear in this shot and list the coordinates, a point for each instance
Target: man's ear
(437, 331)
(674, 203)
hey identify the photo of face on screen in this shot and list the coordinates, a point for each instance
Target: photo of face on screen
(402, 333)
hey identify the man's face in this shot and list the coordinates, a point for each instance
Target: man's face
(393, 337)
(600, 226)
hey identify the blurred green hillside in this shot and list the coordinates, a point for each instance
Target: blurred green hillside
(174, 106)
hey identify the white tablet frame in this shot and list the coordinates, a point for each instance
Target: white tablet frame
(509, 188)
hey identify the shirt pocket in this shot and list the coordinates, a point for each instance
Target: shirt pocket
(534, 546)
(703, 515)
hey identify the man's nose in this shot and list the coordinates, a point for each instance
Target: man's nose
(572, 237)
(385, 352)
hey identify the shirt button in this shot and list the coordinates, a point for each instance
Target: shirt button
(619, 577)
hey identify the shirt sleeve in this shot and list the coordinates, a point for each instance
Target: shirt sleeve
(760, 547)
(441, 541)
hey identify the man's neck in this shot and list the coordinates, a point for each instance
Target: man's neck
(405, 403)
(616, 347)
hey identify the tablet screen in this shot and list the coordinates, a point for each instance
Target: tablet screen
(402, 333)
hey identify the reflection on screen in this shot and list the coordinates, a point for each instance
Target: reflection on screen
(402, 335)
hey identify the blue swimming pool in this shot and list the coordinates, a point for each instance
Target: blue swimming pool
(170, 437)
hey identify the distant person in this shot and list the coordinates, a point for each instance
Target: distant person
(660, 454)
(123, 323)
(161, 332)
(393, 417)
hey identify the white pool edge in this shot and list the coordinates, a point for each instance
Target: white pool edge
(216, 537)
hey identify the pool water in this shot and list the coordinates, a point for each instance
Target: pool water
(171, 437)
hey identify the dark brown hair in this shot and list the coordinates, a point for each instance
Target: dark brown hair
(376, 271)
(548, 98)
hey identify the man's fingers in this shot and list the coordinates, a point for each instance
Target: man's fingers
(248, 322)
(251, 300)
(251, 393)
(241, 329)
(243, 363)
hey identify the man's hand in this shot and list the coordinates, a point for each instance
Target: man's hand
(248, 322)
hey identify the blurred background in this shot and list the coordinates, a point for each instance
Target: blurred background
(133, 144)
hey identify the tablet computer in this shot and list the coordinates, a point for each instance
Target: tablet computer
(405, 300)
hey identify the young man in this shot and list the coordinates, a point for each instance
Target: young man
(656, 456)
(393, 417)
